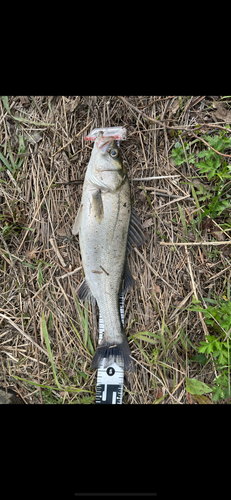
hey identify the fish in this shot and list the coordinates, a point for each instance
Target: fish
(108, 227)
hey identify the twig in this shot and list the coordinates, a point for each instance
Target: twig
(195, 294)
(153, 270)
(73, 138)
(218, 274)
(206, 143)
(10, 257)
(55, 248)
(157, 100)
(153, 374)
(160, 192)
(182, 303)
(141, 112)
(173, 201)
(71, 272)
(24, 334)
(152, 178)
(214, 222)
(174, 128)
(196, 243)
(25, 235)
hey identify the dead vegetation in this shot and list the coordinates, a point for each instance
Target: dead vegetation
(46, 338)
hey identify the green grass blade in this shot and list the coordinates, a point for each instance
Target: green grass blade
(53, 388)
(183, 221)
(6, 103)
(87, 336)
(46, 337)
(86, 324)
(11, 157)
(79, 337)
(195, 197)
(84, 319)
(25, 120)
(140, 336)
(6, 163)
(138, 345)
(149, 201)
(162, 333)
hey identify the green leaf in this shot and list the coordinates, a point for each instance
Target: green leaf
(211, 174)
(218, 145)
(4, 160)
(199, 358)
(194, 386)
(203, 348)
(222, 360)
(202, 154)
(200, 164)
(217, 163)
(217, 393)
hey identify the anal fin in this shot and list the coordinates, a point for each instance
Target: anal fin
(84, 292)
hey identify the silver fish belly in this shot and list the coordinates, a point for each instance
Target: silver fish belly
(103, 223)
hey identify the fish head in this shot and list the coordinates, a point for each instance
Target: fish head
(107, 154)
(106, 162)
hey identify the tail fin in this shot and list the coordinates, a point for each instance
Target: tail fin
(114, 353)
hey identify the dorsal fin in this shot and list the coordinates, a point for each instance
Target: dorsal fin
(136, 235)
(128, 279)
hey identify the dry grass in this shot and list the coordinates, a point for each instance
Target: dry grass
(46, 338)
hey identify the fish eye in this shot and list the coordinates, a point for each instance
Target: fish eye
(114, 153)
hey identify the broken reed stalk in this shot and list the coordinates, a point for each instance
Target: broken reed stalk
(196, 243)
(158, 177)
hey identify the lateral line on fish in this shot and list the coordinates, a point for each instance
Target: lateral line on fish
(117, 215)
(101, 267)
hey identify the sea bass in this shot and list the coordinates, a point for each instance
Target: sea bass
(107, 227)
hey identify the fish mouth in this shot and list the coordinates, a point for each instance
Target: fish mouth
(102, 143)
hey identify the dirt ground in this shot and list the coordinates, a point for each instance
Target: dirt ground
(42, 165)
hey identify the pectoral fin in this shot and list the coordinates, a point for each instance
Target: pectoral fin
(77, 222)
(97, 206)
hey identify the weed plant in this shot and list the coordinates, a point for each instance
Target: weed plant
(214, 169)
